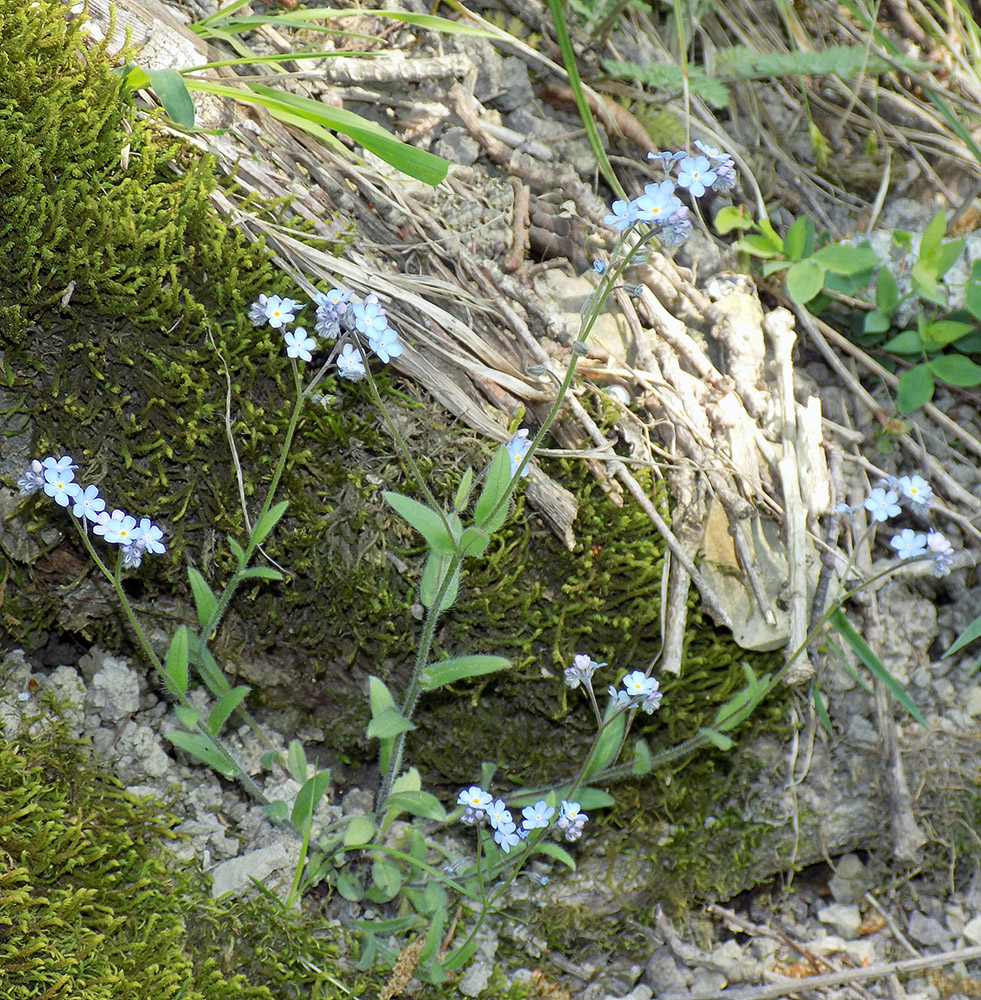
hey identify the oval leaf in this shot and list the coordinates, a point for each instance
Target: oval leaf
(955, 369)
(205, 601)
(359, 831)
(390, 722)
(417, 804)
(914, 388)
(804, 280)
(296, 760)
(170, 87)
(308, 798)
(425, 520)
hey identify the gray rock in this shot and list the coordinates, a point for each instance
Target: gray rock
(458, 146)
(518, 92)
(236, 876)
(662, 973)
(972, 931)
(141, 755)
(927, 930)
(844, 918)
(849, 883)
(114, 692)
(475, 979)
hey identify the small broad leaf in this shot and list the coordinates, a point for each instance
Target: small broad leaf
(759, 246)
(956, 369)
(431, 525)
(914, 388)
(593, 798)
(170, 87)
(308, 797)
(189, 717)
(349, 887)
(495, 487)
(876, 322)
(729, 218)
(227, 704)
(886, 292)
(932, 236)
(260, 573)
(949, 255)
(390, 722)
(203, 749)
(268, 521)
(387, 880)
(379, 697)
(946, 331)
(844, 259)
(799, 241)
(804, 280)
(907, 342)
(865, 654)
(554, 851)
(927, 285)
(205, 601)
(410, 781)
(360, 831)
(277, 811)
(417, 804)
(176, 661)
(438, 675)
(296, 761)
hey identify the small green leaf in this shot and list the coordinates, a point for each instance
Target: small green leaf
(729, 218)
(606, 747)
(386, 879)
(417, 804)
(237, 551)
(799, 241)
(717, 739)
(886, 292)
(409, 781)
(865, 654)
(804, 280)
(308, 797)
(474, 541)
(593, 798)
(972, 290)
(170, 87)
(379, 697)
(907, 342)
(276, 811)
(187, 716)
(956, 369)
(553, 850)
(268, 521)
(431, 525)
(360, 831)
(176, 661)
(926, 284)
(642, 758)
(296, 761)
(349, 887)
(932, 237)
(847, 260)
(876, 322)
(463, 490)
(260, 573)
(227, 704)
(949, 255)
(203, 749)
(390, 722)
(758, 245)
(205, 601)
(433, 574)
(914, 388)
(946, 331)
(495, 488)
(972, 632)
(821, 708)
(438, 675)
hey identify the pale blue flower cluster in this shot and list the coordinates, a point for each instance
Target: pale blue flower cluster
(482, 807)
(364, 325)
(517, 448)
(56, 477)
(660, 207)
(886, 501)
(581, 671)
(639, 691)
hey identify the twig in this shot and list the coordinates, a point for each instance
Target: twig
(880, 971)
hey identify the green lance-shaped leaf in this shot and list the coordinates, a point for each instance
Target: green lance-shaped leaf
(844, 259)
(176, 661)
(204, 749)
(972, 632)
(606, 746)
(642, 758)
(236, 551)
(417, 804)
(799, 241)
(431, 525)
(388, 724)
(435, 571)
(266, 523)
(495, 488)
(170, 87)
(865, 654)
(296, 761)
(308, 797)
(205, 601)
(187, 716)
(260, 573)
(227, 704)
(554, 851)
(438, 675)
(463, 490)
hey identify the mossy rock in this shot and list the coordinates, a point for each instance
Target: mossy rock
(93, 907)
(123, 315)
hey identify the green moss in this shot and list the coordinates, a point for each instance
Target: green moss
(91, 908)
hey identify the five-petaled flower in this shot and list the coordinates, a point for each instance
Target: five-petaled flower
(279, 311)
(909, 544)
(536, 817)
(299, 345)
(350, 364)
(59, 484)
(881, 504)
(517, 448)
(88, 504)
(917, 490)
